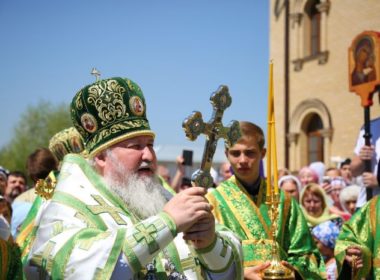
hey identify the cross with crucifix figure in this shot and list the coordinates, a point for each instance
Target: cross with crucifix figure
(213, 130)
(103, 207)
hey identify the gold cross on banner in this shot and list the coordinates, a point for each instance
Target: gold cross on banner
(103, 207)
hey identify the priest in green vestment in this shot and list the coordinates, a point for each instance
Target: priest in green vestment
(110, 218)
(239, 204)
(357, 249)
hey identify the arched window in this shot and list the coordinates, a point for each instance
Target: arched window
(314, 139)
(312, 28)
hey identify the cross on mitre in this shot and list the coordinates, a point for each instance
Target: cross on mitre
(96, 73)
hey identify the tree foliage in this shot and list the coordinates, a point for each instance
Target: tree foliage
(34, 130)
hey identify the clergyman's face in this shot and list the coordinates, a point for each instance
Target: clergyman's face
(128, 169)
(244, 158)
(136, 155)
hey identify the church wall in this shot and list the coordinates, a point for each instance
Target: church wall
(326, 82)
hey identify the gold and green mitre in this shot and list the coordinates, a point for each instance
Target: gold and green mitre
(66, 141)
(109, 111)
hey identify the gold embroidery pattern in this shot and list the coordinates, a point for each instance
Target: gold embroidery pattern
(115, 129)
(45, 188)
(107, 97)
(239, 202)
(373, 217)
(78, 101)
(86, 244)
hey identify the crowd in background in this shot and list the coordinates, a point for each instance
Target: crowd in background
(328, 196)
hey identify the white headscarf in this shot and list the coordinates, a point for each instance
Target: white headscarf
(348, 193)
(319, 168)
(290, 178)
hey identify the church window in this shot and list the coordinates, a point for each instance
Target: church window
(314, 139)
(312, 28)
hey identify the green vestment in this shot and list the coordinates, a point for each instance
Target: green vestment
(248, 217)
(361, 230)
(85, 231)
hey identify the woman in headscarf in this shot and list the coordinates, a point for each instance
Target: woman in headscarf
(348, 198)
(314, 205)
(325, 235)
(337, 186)
(307, 175)
(291, 185)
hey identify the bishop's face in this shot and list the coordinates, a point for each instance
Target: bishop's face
(244, 158)
(135, 154)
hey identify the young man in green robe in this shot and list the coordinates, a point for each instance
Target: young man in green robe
(357, 249)
(239, 204)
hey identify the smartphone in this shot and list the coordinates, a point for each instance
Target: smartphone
(187, 157)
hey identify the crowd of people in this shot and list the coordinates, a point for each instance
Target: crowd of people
(100, 206)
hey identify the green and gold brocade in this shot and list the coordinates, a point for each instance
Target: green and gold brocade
(248, 217)
(361, 230)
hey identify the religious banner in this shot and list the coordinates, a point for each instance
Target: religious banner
(364, 65)
(364, 69)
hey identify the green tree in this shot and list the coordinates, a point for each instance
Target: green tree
(34, 130)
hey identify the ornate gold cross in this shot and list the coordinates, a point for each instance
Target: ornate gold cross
(213, 130)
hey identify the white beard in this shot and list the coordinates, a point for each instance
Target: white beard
(143, 194)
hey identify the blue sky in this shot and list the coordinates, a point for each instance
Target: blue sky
(179, 52)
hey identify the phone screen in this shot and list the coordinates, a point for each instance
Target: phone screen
(187, 157)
